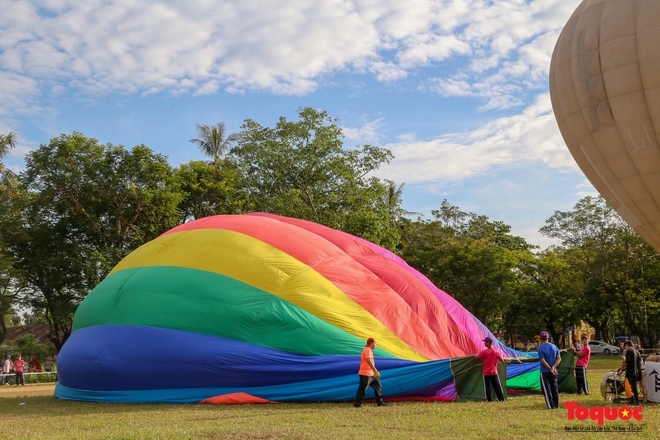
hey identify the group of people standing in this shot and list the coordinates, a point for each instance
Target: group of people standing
(549, 357)
(17, 368)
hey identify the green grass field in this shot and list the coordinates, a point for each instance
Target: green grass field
(518, 417)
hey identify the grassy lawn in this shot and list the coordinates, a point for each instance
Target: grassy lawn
(518, 417)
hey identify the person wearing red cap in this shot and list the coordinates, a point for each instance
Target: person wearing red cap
(490, 356)
(369, 375)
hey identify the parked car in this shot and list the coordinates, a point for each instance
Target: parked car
(599, 347)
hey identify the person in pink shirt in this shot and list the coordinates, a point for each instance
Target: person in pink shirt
(369, 375)
(581, 366)
(491, 356)
(19, 365)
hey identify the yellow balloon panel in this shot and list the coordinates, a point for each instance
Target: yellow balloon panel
(605, 91)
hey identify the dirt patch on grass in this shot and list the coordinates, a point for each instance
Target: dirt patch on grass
(27, 390)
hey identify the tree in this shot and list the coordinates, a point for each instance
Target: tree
(115, 199)
(469, 257)
(612, 259)
(550, 291)
(212, 141)
(48, 262)
(7, 142)
(301, 169)
(80, 209)
(393, 200)
(208, 190)
(8, 283)
(8, 292)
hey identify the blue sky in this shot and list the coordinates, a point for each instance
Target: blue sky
(456, 89)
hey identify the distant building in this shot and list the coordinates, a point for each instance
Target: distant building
(39, 331)
(584, 329)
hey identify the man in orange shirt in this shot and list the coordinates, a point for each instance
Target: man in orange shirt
(369, 375)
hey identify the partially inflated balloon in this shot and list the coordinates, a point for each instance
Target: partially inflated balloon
(605, 90)
(269, 307)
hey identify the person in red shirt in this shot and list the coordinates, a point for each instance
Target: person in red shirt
(35, 365)
(369, 375)
(490, 356)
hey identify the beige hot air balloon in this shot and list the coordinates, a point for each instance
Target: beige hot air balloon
(605, 90)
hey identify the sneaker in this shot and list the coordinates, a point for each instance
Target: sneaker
(357, 405)
(382, 404)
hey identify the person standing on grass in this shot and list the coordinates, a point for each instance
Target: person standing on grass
(581, 366)
(622, 347)
(550, 358)
(48, 366)
(632, 364)
(7, 367)
(35, 365)
(19, 365)
(369, 375)
(490, 356)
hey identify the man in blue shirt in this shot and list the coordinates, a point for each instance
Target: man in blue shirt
(550, 358)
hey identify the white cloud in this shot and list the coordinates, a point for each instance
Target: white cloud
(530, 136)
(17, 94)
(200, 46)
(510, 45)
(368, 133)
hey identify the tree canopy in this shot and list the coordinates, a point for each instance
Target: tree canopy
(619, 269)
(80, 206)
(302, 169)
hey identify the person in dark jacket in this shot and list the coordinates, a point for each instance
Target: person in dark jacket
(632, 364)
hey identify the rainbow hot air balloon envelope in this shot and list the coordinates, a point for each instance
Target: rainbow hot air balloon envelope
(274, 308)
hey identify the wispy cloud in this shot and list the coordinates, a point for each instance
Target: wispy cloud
(370, 132)
(531, 136)
(18, 94)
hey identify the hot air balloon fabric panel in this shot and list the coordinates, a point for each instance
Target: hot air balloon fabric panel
(147, 364)
(203, 302)
(523, 377)
(605, 91)
(463, 332)
(274, 307)
(469, 381)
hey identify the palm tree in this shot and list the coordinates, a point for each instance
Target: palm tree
(393, 198)
(7, 142)
(212, 141)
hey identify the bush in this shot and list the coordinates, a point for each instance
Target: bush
(41, 378)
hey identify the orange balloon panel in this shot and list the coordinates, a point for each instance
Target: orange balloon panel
(605, 90)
